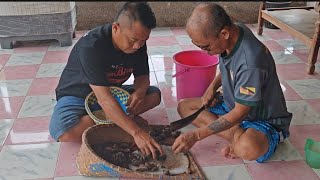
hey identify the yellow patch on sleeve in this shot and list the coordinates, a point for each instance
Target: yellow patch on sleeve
(248, 90)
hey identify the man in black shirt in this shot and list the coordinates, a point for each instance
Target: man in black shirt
(107, 56)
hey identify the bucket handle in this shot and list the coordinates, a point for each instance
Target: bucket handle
(181, 72)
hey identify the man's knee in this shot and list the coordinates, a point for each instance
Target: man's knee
(157, 98)
(185, 106)
(74, 134)
(155, 93)
(69, 137)
(188, 105)
(65, 117)
(250, 146)
(182, 105)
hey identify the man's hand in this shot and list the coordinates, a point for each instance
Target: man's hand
(135, 102)
(147, 144)
(208, 95)
(184, 142)
(210, 92)
(112, 108)
(210, 101)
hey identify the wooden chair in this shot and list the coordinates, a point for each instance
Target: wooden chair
(301, 22)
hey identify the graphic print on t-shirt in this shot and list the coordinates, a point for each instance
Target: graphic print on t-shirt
(118, 74)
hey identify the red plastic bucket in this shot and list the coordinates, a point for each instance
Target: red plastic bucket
(195, 70)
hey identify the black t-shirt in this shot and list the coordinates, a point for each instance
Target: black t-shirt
(94, 60)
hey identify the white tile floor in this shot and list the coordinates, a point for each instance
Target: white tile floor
(30, 73)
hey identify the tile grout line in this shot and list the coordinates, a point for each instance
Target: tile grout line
(247, 168)
(13, 119)
(58, 157)
(293, 90)
(6, 62)
(5, 139)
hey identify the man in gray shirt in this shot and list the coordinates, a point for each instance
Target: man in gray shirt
(252, 113)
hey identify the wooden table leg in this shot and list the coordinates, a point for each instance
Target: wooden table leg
(260, 19)
(314, 49)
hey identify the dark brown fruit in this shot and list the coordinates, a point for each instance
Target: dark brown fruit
(126, 150)
(162, 136)
(166, 132)
(135, 162)
(115, 146)
(124, 145)
(162, 157)
(157, 154)
(108, 148)
(119, 158)
(153, 133)
(156, 139)
(154, 169)
(166, 172)
(148, 165)
(176, 134)
(142, 168)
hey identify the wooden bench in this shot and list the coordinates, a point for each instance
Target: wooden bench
(301, 22)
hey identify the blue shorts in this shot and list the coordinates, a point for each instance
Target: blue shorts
(274, 136)
(69, 110)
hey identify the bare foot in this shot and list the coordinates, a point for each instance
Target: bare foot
(228, 152)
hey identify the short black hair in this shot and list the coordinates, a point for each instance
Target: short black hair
(217, 19)
(140, 11)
